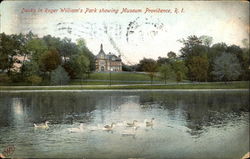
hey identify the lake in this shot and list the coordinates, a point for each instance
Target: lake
(188, 124)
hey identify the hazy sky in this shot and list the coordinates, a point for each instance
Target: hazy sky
(134, 35)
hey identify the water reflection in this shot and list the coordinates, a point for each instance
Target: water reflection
(181, 120)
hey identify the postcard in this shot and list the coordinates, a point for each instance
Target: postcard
(124, 79)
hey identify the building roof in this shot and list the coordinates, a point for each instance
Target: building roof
(109, 56)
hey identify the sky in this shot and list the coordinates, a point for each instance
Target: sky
(134, 34)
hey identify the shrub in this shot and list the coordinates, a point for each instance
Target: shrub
(4, 78)
(34, 79)
(59, 76)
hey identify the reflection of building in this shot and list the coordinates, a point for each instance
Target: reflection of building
(107, 62)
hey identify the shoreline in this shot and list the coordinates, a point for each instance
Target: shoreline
(127, 90)
(122, 87)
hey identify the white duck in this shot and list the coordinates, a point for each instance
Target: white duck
(132, 124)
(42, 125)
(150, 123)
(109, 127)
(76, 130)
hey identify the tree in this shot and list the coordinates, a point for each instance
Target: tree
(59, 76)
(9, 49)
(52, 43)
(180, 69)
(80, 64)
(179, 76)
(198, 68)
(81, 44)
(192, 47)
(34, 79)
(149, 66)
(166, 72)
(245, 75)
(37, 47)
(172, 55)
(67, 49)
(206, 40)
(50, 60)
(30, 68)
(226, 67)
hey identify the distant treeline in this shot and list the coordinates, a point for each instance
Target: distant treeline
(200, 61)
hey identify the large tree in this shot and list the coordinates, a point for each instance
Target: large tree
(180, 70)
(37, 47)
(81, 65)
(81, 44)
(149, 66)
(166, 72)
(50, 61)
(67, 49)
(226, 67)
(198, 68)
(192, 47)
(10, 48)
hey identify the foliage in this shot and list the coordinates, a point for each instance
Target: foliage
(166, 72)
(4, 78)
(192, 47)
(179, 76)
(50, 60)
(206, 40)
(180, 68)
(67, 49)
(59, 76)
(10, 48)
(68, 66)
(226, 67)
(16, 76)
(80, 64)
(34, 79)
(149, 66)
(30, 68)
(198, 68)
(172, 55)
(37, 47)
(85, 51)
(163, 60)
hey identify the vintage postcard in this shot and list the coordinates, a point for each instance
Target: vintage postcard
(124, 79)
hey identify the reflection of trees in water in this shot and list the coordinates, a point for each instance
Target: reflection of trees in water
(200, 109)
(5, 108)
(60, 107)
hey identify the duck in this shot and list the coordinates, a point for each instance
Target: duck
(132, 124)
(109, 127)
(150, 123)
(42, 125)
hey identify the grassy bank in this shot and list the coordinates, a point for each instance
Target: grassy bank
(102, 78)
(234, 85)
(121, 76)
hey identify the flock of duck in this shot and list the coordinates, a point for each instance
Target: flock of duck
(135, 125)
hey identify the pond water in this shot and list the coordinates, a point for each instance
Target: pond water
(197, 124)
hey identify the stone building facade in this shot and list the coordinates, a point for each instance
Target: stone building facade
(107, 62)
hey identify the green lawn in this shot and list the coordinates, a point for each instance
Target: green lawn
(125, 76)
(211, 85)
